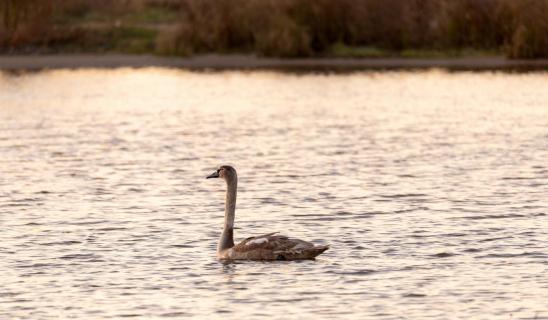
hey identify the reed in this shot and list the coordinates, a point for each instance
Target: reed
(286, 28)
(528, 36)
(22, 21)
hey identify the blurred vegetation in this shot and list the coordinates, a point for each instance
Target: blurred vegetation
(284, 28)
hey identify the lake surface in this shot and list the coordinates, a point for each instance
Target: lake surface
(430, 187)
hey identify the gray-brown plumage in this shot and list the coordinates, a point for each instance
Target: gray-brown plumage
(266, 247)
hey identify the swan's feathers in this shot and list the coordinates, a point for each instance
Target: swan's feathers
(272, 247)
(273, 243)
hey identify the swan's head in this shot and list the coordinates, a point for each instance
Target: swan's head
(226, 173)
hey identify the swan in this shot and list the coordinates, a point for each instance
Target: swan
(270, 246)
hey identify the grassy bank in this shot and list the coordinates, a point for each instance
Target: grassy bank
(278, 28)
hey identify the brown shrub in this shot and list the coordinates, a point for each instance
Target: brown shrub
(304, 27)
(471, 23)
(24, 21)
(292, 28)
(529, 29)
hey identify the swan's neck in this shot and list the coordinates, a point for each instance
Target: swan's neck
(227, 238)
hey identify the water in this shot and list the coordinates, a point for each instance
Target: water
(430, 187)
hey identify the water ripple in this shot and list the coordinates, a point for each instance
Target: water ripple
(430, 187)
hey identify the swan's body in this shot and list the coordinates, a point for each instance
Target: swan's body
(266, 247)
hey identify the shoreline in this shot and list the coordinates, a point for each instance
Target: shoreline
(238, 62)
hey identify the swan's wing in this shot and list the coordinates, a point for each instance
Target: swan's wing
(262, 236)
(269, 241)
(275, 247)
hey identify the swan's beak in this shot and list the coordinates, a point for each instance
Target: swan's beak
(213, 175)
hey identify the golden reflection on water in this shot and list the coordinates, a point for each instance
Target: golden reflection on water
(431, 188)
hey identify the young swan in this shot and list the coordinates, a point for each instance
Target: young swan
(266, 247)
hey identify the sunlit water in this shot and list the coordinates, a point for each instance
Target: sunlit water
(430, 187)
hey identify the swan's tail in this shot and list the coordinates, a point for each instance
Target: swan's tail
(316, 251)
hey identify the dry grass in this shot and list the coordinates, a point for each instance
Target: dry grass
(286, 28)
